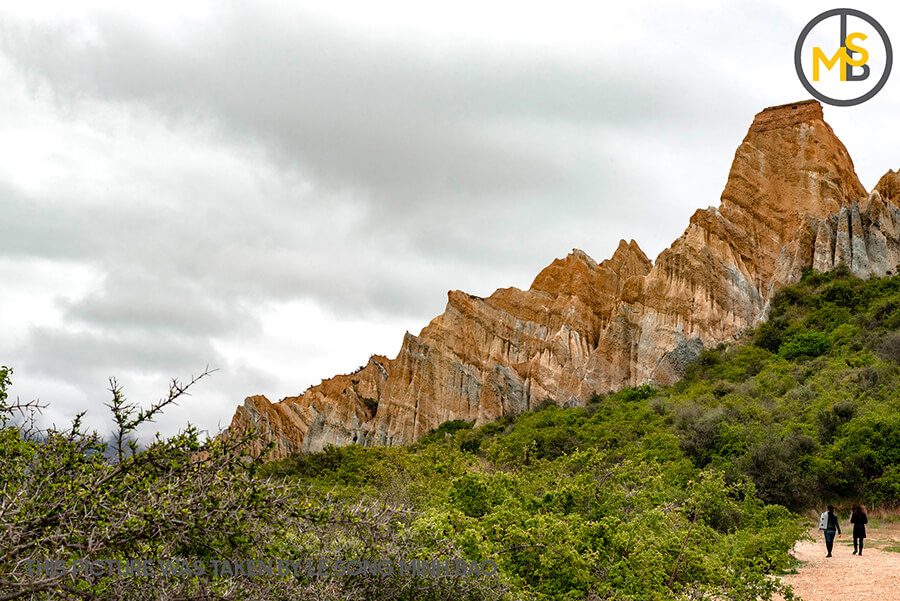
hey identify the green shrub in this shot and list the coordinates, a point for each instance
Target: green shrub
(779, 467)
(447, 429)
(841, 294)
(829, 420)
(637, 393)
(805, 344)
(769, 336)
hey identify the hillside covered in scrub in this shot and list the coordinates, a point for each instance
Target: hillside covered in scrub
(651, 492)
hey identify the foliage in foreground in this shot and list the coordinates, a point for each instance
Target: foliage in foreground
(65, 498)
(626, 516)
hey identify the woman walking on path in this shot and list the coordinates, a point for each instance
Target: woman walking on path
(859, 521)
(831, 525)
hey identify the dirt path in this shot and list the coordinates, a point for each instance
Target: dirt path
(848, 577)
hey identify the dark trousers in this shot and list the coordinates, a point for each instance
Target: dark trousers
(860, 540)
(829, 540)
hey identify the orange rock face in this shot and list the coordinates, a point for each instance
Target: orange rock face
(792, 201)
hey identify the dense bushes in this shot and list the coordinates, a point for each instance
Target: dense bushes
(820, 398)
(809, 344)
(591, 502)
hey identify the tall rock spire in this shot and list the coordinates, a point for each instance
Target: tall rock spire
(717, 278)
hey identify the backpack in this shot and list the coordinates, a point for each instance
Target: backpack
(823, 520)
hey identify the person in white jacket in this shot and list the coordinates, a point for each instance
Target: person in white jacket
(831, 527)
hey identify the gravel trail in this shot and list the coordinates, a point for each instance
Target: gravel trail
(848, 577)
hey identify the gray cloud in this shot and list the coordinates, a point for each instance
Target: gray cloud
(58, 350)
(380, 117)
(150, 303)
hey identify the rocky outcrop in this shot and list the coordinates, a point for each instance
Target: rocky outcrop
(864, 235)
(792, 201)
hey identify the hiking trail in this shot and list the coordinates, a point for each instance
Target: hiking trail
(848, 577)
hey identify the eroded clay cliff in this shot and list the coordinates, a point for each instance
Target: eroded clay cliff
(792, 201)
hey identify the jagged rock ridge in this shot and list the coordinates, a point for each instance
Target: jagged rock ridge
(792, 201)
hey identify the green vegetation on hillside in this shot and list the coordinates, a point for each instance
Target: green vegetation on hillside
(681, 493)
(647, 494)
(808, 406)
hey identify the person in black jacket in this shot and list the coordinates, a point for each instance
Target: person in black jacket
(830, 527)
(859, 520)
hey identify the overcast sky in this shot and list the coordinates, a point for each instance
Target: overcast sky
(280, 189)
